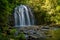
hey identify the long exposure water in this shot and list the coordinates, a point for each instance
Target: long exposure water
(23, 16)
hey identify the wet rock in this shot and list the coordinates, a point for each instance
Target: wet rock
(34, 32)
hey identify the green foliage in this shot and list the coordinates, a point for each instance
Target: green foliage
(6, 11)
(58, 8)
(20, 36)
(55, 34)
(3, 36)
(45, 12)
(12, 31)
(11, 35)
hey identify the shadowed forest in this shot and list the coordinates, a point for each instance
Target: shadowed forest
(46, 12)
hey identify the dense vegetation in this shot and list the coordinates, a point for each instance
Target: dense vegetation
(45, 12)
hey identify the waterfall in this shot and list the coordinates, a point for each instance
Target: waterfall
(23, 16)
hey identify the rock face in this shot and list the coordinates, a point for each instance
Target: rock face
(34, 32)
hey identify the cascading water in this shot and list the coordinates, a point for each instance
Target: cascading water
(23, 16)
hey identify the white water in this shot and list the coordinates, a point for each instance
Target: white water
(23, 16)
